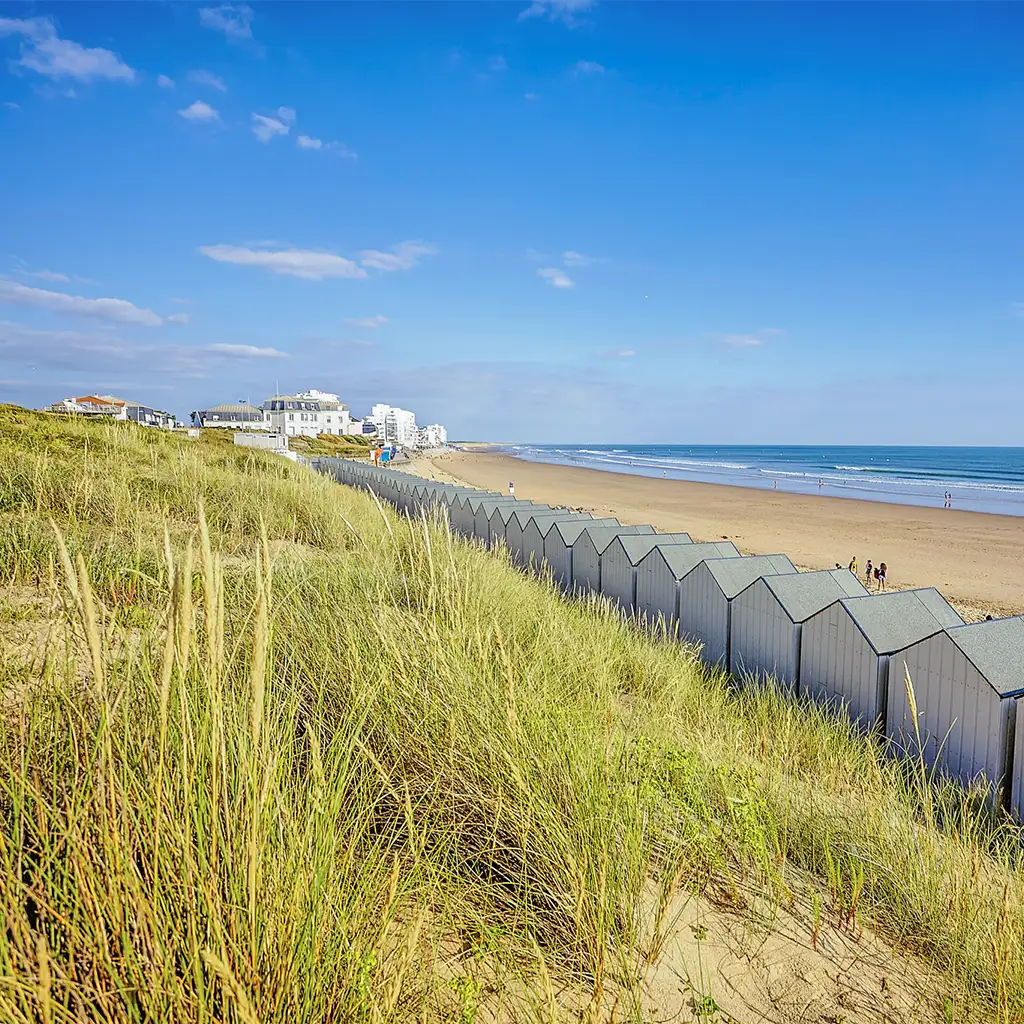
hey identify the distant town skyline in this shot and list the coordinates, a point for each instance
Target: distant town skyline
(557, 220)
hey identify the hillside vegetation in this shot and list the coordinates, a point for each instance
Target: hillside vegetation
(269, 752)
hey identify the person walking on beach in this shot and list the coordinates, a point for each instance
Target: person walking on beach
(511, 488)
(881, 576)
(867, 571)
(853, 565)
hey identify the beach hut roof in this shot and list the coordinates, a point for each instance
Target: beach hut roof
(637, 547)
(547, 523)
(602, 537)
(802, 594)
(736, 574)
(490, 504)
(681, 558)
(523, 515)
(486, 498)
(900, 618)
(996, 649)
(570, 529)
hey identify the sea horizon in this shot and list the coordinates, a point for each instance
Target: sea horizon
(978, 478)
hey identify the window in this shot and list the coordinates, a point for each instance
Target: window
(291, 415)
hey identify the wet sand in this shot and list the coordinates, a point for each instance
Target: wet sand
(973, 558)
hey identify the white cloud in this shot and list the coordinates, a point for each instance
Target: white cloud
(207, 78)
(178, 318)
(200, 111)
(48, 275)
(286, 114)
(588, 67)
(305, 263)
(537, 256)
(265, 128)
(498, 64)
(557, 10)
(164, 82)
(619, 353)
(750, 340)
(234, 20)
(120, 310)
(249, 352)
(403, 256)
(44, 52)
(367, 321)
(556, 278)
(307, 142)
(577, 259)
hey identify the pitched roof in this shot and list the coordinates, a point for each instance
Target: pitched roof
(996, 649)
(636, 548)
(232, 407)
(600, 538)
(545, 524)
(570, 529)
(802, 594)
(542, 512)
(483, 498)
(522, 512)
(900, 618)
(735, 574)
(681, 558)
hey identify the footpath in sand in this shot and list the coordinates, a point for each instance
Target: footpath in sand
(973, 558)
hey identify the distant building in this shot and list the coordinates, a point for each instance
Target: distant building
(233, 417)
(395, 426)
(307, 414)
(111, 407)
(433, 436)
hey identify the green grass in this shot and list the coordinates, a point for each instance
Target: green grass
(286, 756)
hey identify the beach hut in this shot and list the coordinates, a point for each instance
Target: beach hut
(464, 513)
(620, 559)
(846, 647)
(482, 517)
(706, 594)
(498, 522)
(559, 541)
(538, 529)
(659, 572)
(519, 521)
(586, 556)
(1017, 774)
(965, 682)
(768, 619)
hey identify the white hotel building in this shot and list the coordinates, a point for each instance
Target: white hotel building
(309, 413)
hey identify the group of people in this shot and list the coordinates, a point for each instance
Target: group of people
(947, 499)
(870, 572)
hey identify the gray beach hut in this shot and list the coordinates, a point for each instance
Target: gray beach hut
(559, 542)
(659, 573)
(768, 619)
(505, 514)
(537, 532)
(586, 556)
(706, 594)
(519, 522)
(965, 681)
(464, 513)
(620, 559)
(482, 517)
(846, 647)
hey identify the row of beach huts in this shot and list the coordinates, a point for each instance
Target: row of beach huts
(818, 634)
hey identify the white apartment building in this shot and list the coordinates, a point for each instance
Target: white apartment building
(395, 426)
(237, 416)
(433, 436)
(308, 413)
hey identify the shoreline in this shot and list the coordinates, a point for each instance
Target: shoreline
(972, 558)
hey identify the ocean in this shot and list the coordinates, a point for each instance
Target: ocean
(980, 479)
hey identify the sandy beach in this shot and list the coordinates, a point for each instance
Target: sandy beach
(973, 558)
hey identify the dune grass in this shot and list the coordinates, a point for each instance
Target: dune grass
(285, 756)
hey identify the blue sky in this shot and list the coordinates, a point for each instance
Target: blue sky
(557, 221)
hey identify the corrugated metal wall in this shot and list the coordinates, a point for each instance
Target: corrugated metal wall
(617, 576)
(704, 614)
(838, 666)
(764, 640)
(558, 556)
(1017, 775)
(586, 565)
(961, 719)
(657, 598)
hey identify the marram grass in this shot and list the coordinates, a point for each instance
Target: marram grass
(281, 755)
